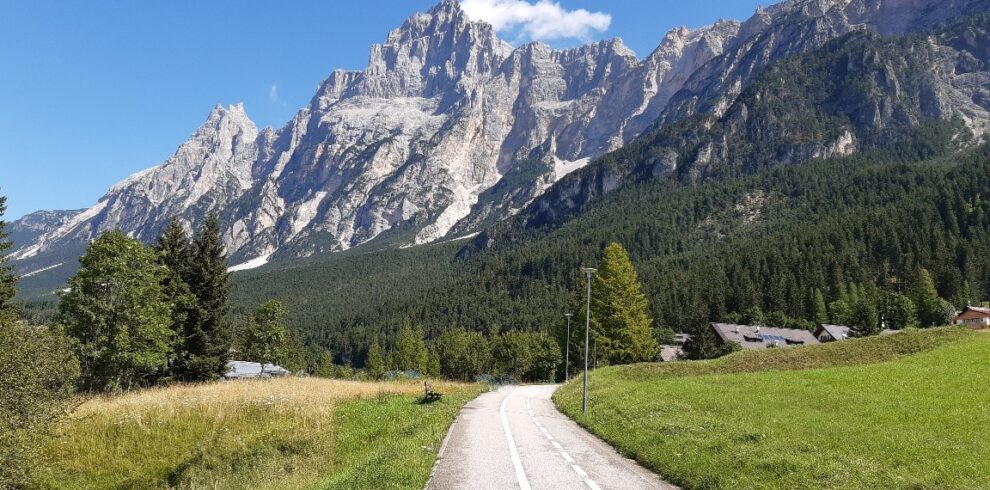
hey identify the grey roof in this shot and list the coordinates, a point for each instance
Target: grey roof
(759, 337)
(838, 332)
(246, 369)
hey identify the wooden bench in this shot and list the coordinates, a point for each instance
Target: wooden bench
(429, 394)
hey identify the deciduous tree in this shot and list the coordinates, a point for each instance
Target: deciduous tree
(116, 310)
(36, 379)
(410, 349)
(265, 336)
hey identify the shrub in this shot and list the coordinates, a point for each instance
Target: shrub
(36, 379)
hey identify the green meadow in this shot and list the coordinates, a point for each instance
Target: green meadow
(910, 410)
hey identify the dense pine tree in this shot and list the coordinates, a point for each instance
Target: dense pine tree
(208, 338)
(175, 252)
(819, 311)
(873, 218)
(932, 310)
(619, 311)
(374, 364)
(8, 281)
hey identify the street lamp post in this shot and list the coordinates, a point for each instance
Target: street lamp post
(588, 271)
(567, 348)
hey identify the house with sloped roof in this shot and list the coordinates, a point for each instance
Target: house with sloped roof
(753, 337)
(973, 317)
(253, 370)
(831, 333)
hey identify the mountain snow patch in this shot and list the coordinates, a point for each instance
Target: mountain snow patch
(251, 264)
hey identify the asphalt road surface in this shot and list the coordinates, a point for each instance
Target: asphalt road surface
(516, 438)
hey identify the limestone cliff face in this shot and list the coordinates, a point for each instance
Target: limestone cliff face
(802, 81)
(447, 129)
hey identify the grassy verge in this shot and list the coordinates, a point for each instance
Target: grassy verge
(285, 433)
(904, 411)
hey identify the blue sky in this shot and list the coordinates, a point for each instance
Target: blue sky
(93, 91)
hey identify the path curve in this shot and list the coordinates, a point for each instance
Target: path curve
(516, 438)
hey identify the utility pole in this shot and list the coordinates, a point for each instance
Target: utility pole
(588, 272)
(567, 348)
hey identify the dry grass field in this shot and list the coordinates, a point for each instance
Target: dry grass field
(283, 433)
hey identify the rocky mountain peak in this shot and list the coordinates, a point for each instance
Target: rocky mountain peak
(430, 53)
(225, 140)
(448, 129)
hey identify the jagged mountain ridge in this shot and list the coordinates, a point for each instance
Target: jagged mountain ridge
(705, 123)
(449, 129)
(443, 112)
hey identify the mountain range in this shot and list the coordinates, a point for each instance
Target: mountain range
(450, 129)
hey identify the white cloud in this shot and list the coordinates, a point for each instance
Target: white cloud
(541, 20)
(273, 95)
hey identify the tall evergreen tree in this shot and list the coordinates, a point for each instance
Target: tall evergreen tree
(819, 310)
(175, 252)
(116, 311)
(375, 362)
(208, 338)
(8, 281)
(175, 249)
(932, 310)
(620, 317)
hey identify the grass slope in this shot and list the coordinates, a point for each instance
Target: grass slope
(904, 411)
(286, 433)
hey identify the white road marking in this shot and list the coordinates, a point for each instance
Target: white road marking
(513, 452)
(567, 457)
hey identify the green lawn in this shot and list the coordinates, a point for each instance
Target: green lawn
(893, 414)
(278, 434)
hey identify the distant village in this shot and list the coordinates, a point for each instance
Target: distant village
(755, 337)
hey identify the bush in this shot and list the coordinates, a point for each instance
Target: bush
(36, 379)
(526, 356)
(463, 354)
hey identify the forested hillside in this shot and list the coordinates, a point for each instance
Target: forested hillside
(710, 238)
(856, 93)
(895, 184)
(702, 251)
